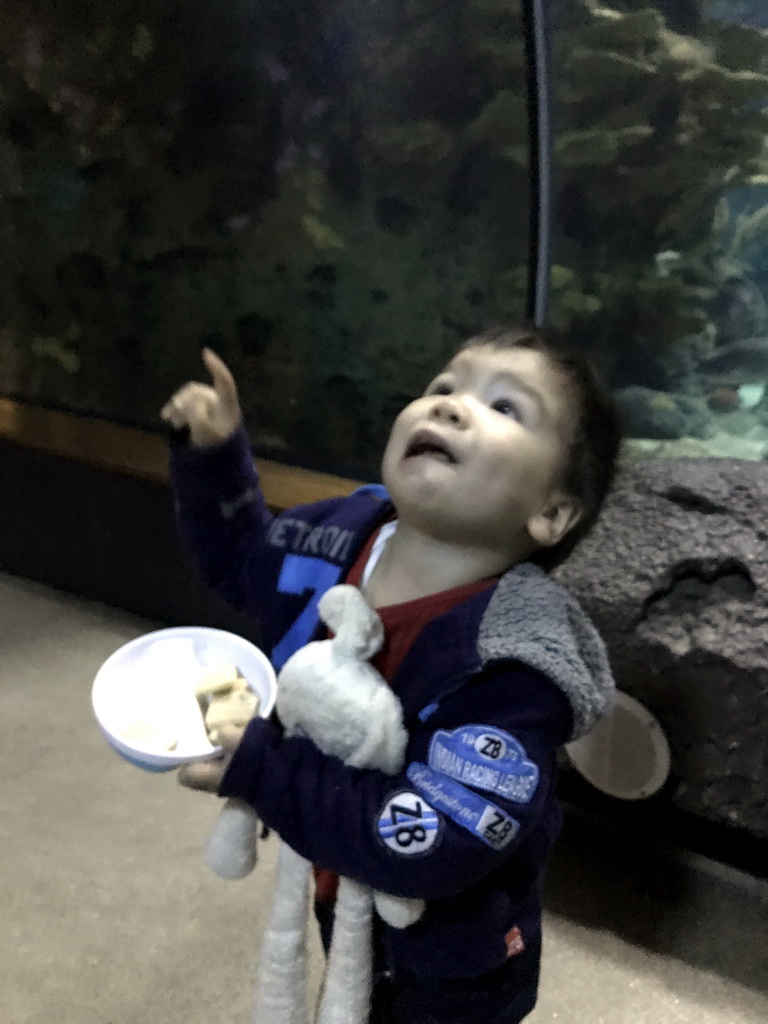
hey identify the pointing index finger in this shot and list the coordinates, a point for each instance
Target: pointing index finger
(223, 381)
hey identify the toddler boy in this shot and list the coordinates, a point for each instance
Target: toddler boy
(492, 477)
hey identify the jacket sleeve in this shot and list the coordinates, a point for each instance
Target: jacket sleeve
(397, 834)
(223, 518)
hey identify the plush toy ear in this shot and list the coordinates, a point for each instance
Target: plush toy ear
(358, 630)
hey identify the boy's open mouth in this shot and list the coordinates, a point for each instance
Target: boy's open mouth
(426, 442)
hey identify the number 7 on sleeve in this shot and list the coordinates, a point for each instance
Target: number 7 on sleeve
(300, 573)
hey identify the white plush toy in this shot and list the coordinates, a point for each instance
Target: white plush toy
(329, 692)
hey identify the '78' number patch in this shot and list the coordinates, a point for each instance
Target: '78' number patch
(408, 825)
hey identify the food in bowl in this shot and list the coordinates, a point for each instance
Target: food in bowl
(149, 736)
(225, 699)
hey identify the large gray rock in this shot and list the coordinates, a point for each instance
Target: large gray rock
(676, 578)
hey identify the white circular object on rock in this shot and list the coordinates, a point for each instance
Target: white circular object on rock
(626, 755)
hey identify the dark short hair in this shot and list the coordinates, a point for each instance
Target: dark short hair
(591, 460)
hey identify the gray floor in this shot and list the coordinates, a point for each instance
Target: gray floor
(110, 917)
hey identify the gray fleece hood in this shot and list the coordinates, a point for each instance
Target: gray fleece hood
(533, 620)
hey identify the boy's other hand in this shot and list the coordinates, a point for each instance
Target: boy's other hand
(207, 775)
(210, 413)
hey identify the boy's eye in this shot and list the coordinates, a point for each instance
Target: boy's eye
(507, 408)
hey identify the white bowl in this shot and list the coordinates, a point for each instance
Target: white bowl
(161, 668)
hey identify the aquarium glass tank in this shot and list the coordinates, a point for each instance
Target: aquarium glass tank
(333, 193)
(660, 254)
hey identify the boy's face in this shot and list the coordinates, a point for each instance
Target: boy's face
(477, 459)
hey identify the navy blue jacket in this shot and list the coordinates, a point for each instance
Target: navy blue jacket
(489, 690)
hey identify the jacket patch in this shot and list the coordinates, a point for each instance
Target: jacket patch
(407, 824)
(485, 758)
(485, 820)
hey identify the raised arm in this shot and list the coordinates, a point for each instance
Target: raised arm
(222, 514)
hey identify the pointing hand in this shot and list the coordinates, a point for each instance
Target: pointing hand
(211, 413)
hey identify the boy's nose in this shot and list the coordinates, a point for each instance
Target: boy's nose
(450, 410)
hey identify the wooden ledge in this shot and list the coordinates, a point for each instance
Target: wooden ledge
(143, 454)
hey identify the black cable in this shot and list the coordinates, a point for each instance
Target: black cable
(536, 36)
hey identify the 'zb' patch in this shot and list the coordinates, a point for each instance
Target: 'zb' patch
(408, 825)
(485, 758)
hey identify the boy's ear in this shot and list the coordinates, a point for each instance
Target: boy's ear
(549, 526)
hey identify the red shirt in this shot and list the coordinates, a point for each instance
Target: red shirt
(402, 624)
